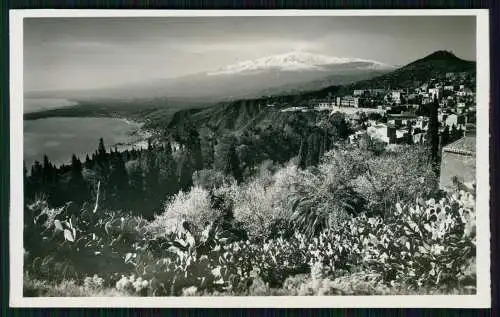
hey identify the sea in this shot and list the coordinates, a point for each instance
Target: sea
(59, 137)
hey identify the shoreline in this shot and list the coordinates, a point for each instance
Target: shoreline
(135, 131)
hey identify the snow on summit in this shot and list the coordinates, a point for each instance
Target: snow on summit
(295, 61)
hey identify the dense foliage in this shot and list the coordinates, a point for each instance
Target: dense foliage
(326, 229)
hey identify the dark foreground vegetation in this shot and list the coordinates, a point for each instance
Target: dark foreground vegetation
(249, 211)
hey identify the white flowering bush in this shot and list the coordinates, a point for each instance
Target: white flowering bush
(193, 206)
(261, 205)
(133, 285)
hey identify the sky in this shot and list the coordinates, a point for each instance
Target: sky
(84, 53)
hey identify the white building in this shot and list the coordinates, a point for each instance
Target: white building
(419, 138)
(358, 92)
(294, 109)
(326, 104)
(379, 132)
(348, 101)
(422, 123)
(460, 108)
(396, 96)
(451, 120)
(434, 92)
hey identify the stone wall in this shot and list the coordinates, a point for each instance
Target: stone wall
(453, 164)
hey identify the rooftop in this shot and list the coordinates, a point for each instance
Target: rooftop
(464, 146)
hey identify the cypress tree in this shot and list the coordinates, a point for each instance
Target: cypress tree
(76, 187)
(445, 136)
(88, 162)
(185, 172)
(454, 133)
(302, 154)
(167, 171)
(101, 149)
(235, 164)
(136, 182)
(48, 171)
(194, 147)
(226, 159)
(117, 185)
(102, 163)
(36, 173)
(409, 136)
(433, 133)
(28, 188)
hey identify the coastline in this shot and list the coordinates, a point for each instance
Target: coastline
(134, 132)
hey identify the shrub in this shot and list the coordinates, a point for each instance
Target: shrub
(397, 176)
(261, 204)
(193, 206)
(66, 288)
(323, 197)
(210, 179)
(436, 245)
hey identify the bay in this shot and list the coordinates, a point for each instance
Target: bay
(60, 138)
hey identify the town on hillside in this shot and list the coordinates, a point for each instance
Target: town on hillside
(401, 116)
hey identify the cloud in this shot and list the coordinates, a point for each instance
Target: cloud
(266, 45)
(82, 44)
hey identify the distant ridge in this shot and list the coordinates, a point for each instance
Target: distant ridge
(269, 75)
(439, 55)
(432, 65)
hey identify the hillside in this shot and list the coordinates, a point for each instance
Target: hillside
(436, 64)
(236, 115)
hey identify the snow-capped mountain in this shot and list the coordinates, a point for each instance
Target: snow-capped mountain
(296, 61)
(271, 75)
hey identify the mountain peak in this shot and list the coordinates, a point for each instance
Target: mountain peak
(441, 55)
(294, 61)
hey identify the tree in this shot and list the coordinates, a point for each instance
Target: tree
(207, 147)
(28, 188)
(48, 171)
(226, 159)
(168, 178)
(235, 164)
(101, 165)
(88, 162)
(101, 150)
(76, 187)
(445, 136)
(117, 185)
(313, 150)
(302, 154)
(409, 135)
(194, 147)
(136, 194)
(433, 134)
(185, 171)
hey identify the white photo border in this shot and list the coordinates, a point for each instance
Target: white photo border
(481, 300)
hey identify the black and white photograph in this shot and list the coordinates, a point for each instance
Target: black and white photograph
(219, 157)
